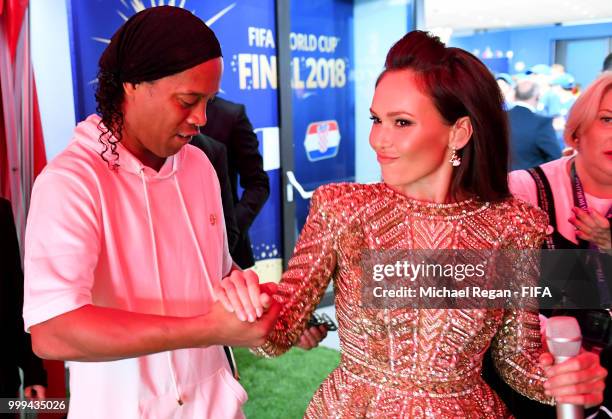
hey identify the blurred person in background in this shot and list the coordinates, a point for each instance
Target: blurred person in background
(217, 155)
(557, 70)
(16, 352)
(564, 88)
(228, 124)
(532, 137)
(506, 85)
(607, 64)
(541, 74)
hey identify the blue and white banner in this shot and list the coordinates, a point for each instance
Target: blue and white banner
(323, 95)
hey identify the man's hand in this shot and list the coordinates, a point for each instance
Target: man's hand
(92, 333)
(229, 330)
(312, 336)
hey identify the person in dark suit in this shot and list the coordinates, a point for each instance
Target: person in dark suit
(16, 352)
(532, 137)
(607, 64)
(217, 154)
(227, 123)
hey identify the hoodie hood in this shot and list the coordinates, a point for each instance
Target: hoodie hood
(88, 134)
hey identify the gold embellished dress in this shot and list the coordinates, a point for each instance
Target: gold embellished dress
(408, 363)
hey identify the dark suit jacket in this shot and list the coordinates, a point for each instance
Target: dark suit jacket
(217, 154)
(532, 139)
(228, 124)
(16, 347)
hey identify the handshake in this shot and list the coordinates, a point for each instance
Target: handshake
(251, 311)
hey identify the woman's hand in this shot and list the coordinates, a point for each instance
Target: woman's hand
(241, 293)
(579, 380)
(593, 227)
(311, 337)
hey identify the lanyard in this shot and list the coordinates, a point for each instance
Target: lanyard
(580, 202)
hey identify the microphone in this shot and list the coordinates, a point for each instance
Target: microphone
(564, 340)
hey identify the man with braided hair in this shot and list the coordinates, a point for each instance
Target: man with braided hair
(126, 244)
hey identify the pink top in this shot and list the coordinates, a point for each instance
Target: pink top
(523, 187)
(137, 240)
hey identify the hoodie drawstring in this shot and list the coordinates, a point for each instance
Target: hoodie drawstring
(159, 284)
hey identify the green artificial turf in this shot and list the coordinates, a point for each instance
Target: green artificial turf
(280, 388)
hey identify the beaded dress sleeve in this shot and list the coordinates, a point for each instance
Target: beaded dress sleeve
(517, 346)
(309, 271)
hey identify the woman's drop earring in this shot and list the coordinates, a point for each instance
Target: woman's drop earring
(455, 160)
